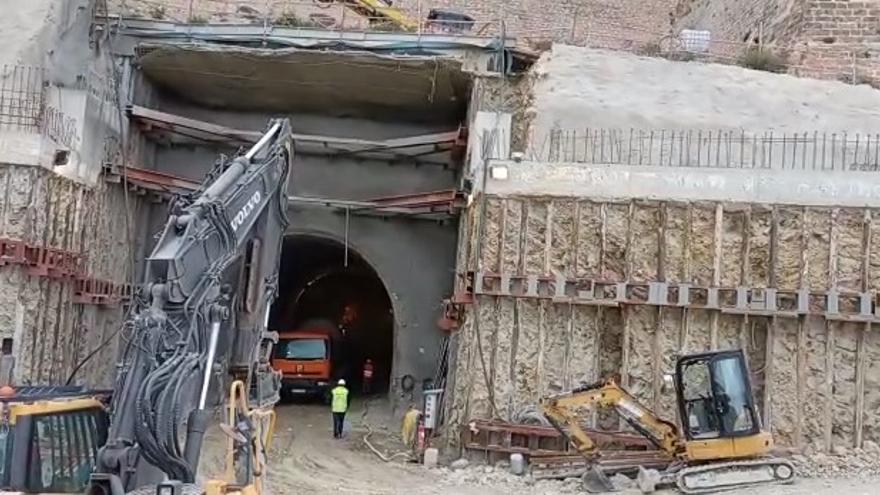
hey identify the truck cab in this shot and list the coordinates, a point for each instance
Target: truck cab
(304, 360)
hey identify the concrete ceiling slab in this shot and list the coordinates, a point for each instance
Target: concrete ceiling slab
(335, 83)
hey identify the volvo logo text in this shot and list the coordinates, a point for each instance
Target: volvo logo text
(245, 211)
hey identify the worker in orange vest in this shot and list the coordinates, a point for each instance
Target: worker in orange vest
(367, 376)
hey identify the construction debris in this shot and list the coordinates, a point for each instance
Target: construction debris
(856, 463)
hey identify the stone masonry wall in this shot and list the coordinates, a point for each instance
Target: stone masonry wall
(828, 39)
(839, 39)
(50, 332)
(814, 380)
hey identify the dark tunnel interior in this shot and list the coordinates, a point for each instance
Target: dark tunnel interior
(317, 287)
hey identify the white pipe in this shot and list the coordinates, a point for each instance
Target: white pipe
(209, 365)
(266, 317)
(262, 142)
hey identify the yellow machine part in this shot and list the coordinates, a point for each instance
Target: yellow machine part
(219, 487)
(51, 407)
(380, 9)
(729, 448)
(264, 428)
(565, 411)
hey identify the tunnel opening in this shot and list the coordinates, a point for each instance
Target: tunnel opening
(332, 314)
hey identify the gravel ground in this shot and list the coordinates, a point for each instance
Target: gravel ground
(306, 459)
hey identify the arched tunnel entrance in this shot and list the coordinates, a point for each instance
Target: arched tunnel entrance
(324, 291)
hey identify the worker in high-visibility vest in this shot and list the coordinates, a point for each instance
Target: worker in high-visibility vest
(338, 407)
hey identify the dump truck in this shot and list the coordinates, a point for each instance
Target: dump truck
(305, 358)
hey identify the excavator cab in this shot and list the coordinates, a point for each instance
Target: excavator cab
(49, 438)
(717, 410)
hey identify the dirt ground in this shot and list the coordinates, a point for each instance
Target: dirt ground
(306, 459)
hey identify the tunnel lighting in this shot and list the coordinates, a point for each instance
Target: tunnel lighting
(498, 172)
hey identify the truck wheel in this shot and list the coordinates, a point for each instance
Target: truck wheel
(326, 397)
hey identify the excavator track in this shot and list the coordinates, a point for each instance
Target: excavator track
(712, 478)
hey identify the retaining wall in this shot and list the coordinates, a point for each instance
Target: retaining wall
(51, 333)
(815, 379)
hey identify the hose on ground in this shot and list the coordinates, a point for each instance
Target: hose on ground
(379, 454)
(366, 438)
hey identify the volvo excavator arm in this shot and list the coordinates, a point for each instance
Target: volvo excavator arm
(566, 413)
(200, 317)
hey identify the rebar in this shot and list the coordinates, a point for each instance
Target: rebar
(21, 97)
(712, 149)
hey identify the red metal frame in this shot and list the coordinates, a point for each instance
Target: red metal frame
(100, 292)
(60, 264)
(444, 200)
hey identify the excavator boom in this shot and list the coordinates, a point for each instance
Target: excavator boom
(564, 411)
(200, 320)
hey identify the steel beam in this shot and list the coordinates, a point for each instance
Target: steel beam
(151, 180)
(410, 147)
(428, 208)
(756, 301)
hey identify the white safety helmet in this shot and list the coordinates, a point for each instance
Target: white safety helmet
(341, 382)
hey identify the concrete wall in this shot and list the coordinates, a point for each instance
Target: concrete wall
(610, 182)
(812, 376)
(395, 248)
(71, 86)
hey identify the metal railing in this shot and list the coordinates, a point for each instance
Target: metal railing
(813, 151)
(21, 97)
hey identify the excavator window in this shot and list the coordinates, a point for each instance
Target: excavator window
(716, 397)
(64, 448)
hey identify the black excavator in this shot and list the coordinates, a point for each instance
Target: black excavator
(196, 336)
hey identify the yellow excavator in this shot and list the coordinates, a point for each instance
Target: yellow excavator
(721, 445)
